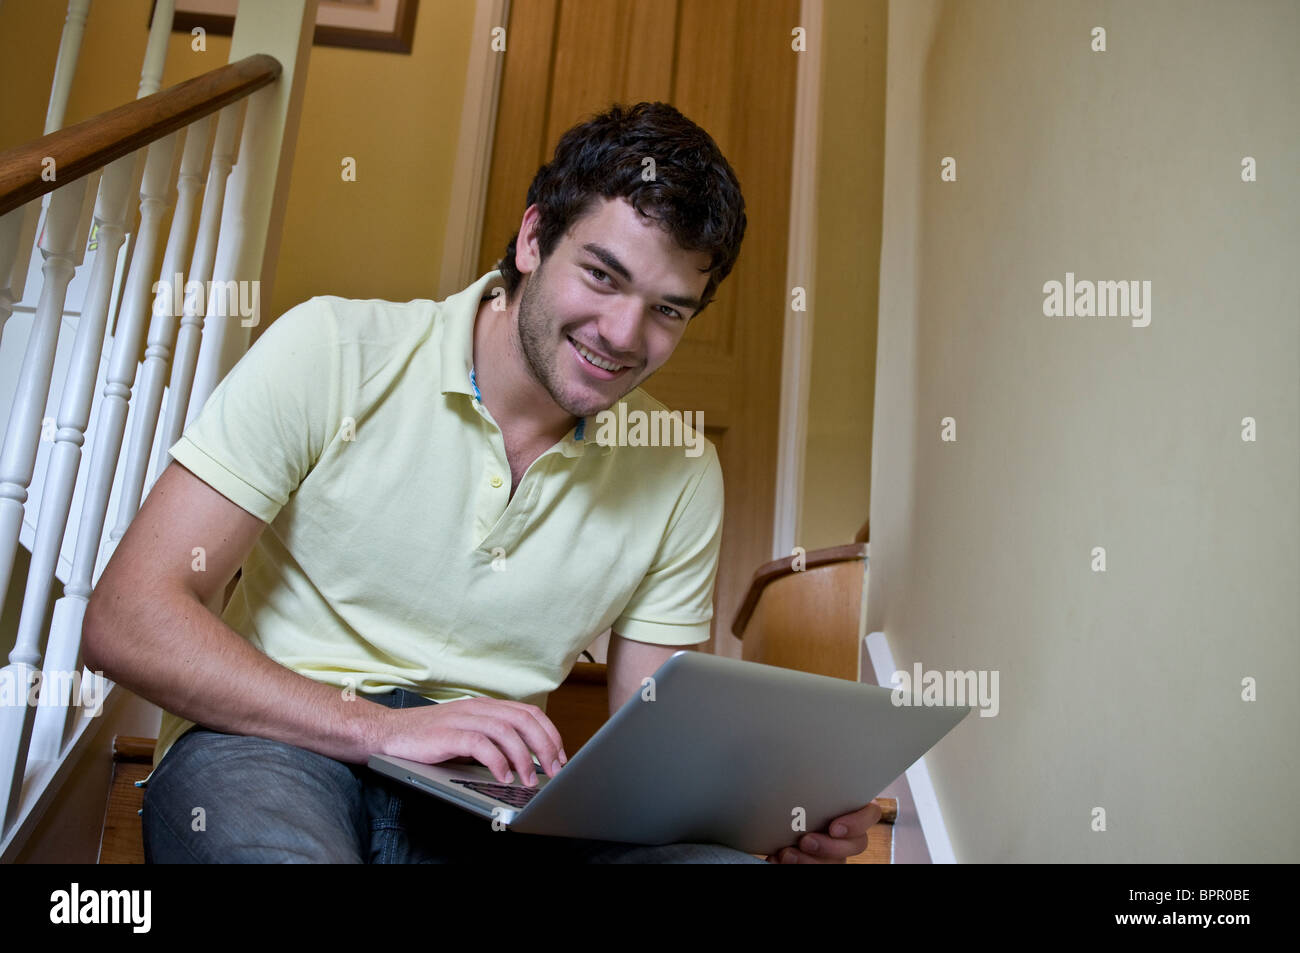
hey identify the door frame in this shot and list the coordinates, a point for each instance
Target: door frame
(801, 262)
(478, 123)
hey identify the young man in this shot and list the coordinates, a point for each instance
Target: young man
(429, 534)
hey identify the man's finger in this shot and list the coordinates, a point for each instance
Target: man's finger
(473, 744)
(857, 823)
(505, 736)
(546, 724)
(535, 729)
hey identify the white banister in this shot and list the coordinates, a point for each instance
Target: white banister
(109, 426)
(17, 237)
(155, 51)
(223, 340)
(136, 304)
(85, 220)
(56, 687)
(258, 196)
(228, 242)
(17, 461)
(65, 226)
(63, 671)
(18, 228)
(65, 67)
(205, 253)
(58, 237)
(162, 328)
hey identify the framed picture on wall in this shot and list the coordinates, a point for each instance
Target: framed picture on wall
(387, 25)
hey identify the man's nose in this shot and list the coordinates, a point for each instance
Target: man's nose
(620, 329)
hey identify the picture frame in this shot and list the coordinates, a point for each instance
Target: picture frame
(383, 25)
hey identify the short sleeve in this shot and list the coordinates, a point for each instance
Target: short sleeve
(267, 422)
(673, 605)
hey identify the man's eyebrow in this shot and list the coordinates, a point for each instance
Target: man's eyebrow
(610, 261)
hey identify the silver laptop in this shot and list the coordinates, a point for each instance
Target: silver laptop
(727, 752)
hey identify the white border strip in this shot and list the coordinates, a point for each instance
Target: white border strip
(801, 259)
(918, 776)
(478, 122)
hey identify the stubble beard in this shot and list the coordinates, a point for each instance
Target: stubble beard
(539, 350)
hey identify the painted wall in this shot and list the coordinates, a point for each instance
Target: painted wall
(1119, 690)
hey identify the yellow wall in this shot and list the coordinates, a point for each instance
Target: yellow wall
(837, 463)
(1118, 690)
(397, 115)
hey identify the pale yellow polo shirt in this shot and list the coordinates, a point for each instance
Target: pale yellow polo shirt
(392, 559)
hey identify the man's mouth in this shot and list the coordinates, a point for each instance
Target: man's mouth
(596, 365)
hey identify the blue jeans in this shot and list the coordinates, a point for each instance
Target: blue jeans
(221, 798)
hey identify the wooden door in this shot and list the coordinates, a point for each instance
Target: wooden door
(729, 67)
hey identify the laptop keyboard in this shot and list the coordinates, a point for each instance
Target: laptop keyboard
(513, 794)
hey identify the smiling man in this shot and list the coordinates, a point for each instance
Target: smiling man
(595, 319)
(428, 538)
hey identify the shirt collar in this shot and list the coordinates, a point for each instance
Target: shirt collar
(457, 355)
(457, 351)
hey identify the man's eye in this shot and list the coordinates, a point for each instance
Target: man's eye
(597, 274)
(664, 309)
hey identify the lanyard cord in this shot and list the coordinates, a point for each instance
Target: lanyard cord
(478, 396)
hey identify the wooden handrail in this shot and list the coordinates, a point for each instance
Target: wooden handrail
(81, 149)
(770, 572)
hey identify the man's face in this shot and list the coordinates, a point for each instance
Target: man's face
(617, 287)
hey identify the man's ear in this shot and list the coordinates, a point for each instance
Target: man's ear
(527, 251)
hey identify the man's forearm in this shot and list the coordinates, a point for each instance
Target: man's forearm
(173, 651)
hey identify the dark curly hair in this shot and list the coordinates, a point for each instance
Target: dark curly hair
(694, 194)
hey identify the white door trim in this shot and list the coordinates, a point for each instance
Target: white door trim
(478, 122)
(801, 260)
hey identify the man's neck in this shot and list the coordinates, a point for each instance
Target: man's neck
(520, 405)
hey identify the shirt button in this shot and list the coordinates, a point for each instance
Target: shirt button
(496, 481)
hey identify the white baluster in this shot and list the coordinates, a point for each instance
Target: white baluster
(55, 718)
(61, 476)
(162, 329)
(65, 67)
(155, 52)
(189, 336)
(85, 220)
(111, 422)
(17, 236)
(256, 194)
(225, 340)
(219, 248)
(18, 228)
(17, 462)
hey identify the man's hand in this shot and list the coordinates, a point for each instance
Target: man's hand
(846, 838)
(496, 733)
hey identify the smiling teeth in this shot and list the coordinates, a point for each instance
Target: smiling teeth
(592, 358)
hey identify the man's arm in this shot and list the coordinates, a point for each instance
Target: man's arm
(147, 627)
(629, 663)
